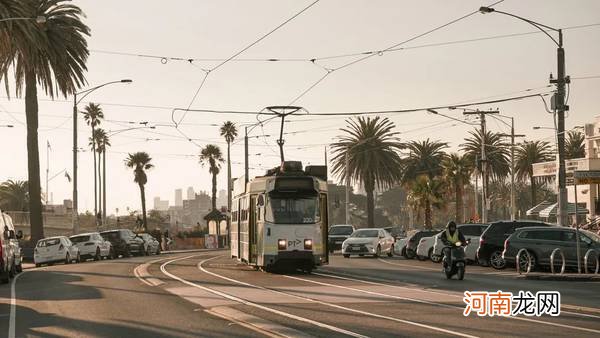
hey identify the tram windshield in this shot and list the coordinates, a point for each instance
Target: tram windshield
(282, 209)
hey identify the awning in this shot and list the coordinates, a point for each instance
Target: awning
(536, 210)
(551, 210)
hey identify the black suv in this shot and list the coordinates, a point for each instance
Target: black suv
(491, 243)
(337, 235)
(124, 242)
(413, 240)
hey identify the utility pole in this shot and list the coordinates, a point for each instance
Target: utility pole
(476, 186)
(104, 185)
(484, 193)
(246, 157)
(75, 212)
(513, 207)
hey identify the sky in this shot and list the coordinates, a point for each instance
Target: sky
(432, 74)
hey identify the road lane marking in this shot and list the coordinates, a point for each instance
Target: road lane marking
(256, 323)
(258, 306)
(141, 272)
(13, 306)
(511, 317)
(409, 266)
(408, 322)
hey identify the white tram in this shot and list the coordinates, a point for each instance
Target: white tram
(280, 220)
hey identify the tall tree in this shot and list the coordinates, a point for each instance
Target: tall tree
(14, 196)
(102, 143)
(497, 153)
(229, 132)
(425, 193)
(575, 145)
(211, 155)
(457, 170)
(425, 158)
(140, 162)
(371, 147)
(93, 115)
(53, 55)
(526, 154)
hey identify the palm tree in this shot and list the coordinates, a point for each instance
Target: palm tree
(103, 143)
(371, 147)
(497, 153)
(575, 145)
(526, 154)
(14, 195)
(140, 162)
(229, 132)
(100, 142)
(425, 193)
(93, 115)
(211, 155)
(425, 158)
(457, 171)
(52, 54)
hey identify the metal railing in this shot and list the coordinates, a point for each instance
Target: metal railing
(564, 263)
(586, 258)
(518, 261)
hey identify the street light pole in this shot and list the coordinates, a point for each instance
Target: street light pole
(75, 216)
(558, 104)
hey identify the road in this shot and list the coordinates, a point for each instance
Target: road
(208, 294)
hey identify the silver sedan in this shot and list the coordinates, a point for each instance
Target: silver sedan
(372, 241)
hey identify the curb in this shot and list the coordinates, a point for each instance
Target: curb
(572, 278)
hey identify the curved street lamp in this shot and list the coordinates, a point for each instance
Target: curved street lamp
(76, 101)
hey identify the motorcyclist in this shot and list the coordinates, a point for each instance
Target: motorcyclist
(450, 237)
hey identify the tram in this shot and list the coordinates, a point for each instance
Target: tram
(280, 220)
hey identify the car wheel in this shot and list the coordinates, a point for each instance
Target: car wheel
(421, 258)
(436, 258)
(523, 261)
(148, 253)
(4, 277)
(97, 257)
(410, 254)
(391, 253)
(346, 256)
(403, 252)
(496, 260)
(68, 259)
(37, 265)
(377, 251)
(78, 259)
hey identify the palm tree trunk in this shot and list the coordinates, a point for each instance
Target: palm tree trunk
(427, 214)
(95, 184)
(228, 186)
(532, 180)
(460, 217)
(100, 186)
(143, 196)
(33, 158)
(369, 188)
(214, 191)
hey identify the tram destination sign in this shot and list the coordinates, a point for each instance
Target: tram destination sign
(587, 177)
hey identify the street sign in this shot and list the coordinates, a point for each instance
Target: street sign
(587, 177)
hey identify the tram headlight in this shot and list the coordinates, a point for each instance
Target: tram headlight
(281, 244)
(308, 244)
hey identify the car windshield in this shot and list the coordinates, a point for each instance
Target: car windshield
(365, 234)
(340, 230)
(591, 235)
(110, 235)
(292, 210)
(48, 242)
(79, 239)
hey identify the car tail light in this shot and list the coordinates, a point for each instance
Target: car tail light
(308, 244)
(60, 247)
(281, 244)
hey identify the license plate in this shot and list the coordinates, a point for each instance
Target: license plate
(355, 249)
(338, 242)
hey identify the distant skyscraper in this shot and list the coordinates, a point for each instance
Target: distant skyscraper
(190, 193)
(160, 204)
(178, 197)
(222, 199)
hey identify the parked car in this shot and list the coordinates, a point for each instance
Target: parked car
(414, 238)
(337, 235)
(396, 231)
(151, 244)
(92, 245)
(10, 251)
(491, 243)
(471, 231)
(124, 242)
(425, 247)
(55, 249)
(400, 246)
(541, 241)
(369, 242)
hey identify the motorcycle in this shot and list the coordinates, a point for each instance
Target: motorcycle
(455, 264)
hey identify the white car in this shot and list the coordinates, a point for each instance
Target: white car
(425, 248)
(400, 246)
(372, 241)
(470, 231)
(55, 249)
(92, 245)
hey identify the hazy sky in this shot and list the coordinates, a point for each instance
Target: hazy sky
(417, 77)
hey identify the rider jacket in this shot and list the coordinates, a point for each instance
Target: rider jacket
(451, 239)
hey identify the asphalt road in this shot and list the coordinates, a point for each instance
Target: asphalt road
(208, 294)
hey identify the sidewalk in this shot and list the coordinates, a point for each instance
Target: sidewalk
(564, 277)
